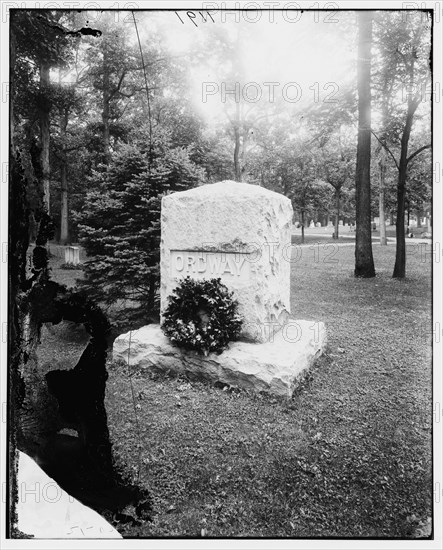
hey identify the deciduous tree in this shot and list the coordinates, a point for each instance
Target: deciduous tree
(364, 262)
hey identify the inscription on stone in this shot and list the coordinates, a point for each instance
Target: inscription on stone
(233, 266)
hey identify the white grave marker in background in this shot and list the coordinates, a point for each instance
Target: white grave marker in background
(72, 255)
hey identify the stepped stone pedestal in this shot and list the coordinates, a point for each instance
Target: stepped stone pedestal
(274, 367)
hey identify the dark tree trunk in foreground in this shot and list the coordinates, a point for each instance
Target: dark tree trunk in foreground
(364, 262)
(44, 399)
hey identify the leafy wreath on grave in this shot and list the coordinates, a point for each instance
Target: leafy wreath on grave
(202, 315)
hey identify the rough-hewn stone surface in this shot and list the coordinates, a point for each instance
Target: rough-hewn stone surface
(45, 511)
(273, 366)
(240, 233)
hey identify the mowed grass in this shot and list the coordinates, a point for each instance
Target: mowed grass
(349, 456)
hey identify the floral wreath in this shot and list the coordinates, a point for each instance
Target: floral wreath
(202, 316)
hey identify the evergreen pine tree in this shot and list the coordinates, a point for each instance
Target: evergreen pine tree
(120, 227)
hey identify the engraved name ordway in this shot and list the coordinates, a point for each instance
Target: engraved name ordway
(200, 265)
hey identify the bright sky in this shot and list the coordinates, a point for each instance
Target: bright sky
(307, 61)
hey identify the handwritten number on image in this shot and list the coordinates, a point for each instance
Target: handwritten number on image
(192, 16)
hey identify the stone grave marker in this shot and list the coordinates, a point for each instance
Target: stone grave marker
(242, 234)
(72, 255)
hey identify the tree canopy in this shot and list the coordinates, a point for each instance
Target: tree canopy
(127, 111)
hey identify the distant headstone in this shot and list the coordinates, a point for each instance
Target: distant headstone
(340, 222)
(312, 224)
(318, 224)
(240, 233)
(72, 255)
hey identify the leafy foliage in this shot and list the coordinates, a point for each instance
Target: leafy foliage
(202, 316)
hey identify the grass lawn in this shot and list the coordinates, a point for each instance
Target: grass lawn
(349, 456)
(346, 238)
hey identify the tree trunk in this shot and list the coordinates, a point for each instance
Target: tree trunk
(381, 199)
(64, 226)
(337, 212)
(237, 167)
(392, 218)
(364, 262)
(418, 214)
(302, 226)
(400, 254)
(12, 60)
(64, 222)
(244, 142)
(16, 277)
(44, 110)
(237, 137)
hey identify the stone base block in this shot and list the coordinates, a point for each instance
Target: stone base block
(274, 366)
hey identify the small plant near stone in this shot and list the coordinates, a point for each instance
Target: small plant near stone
(202, 316)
